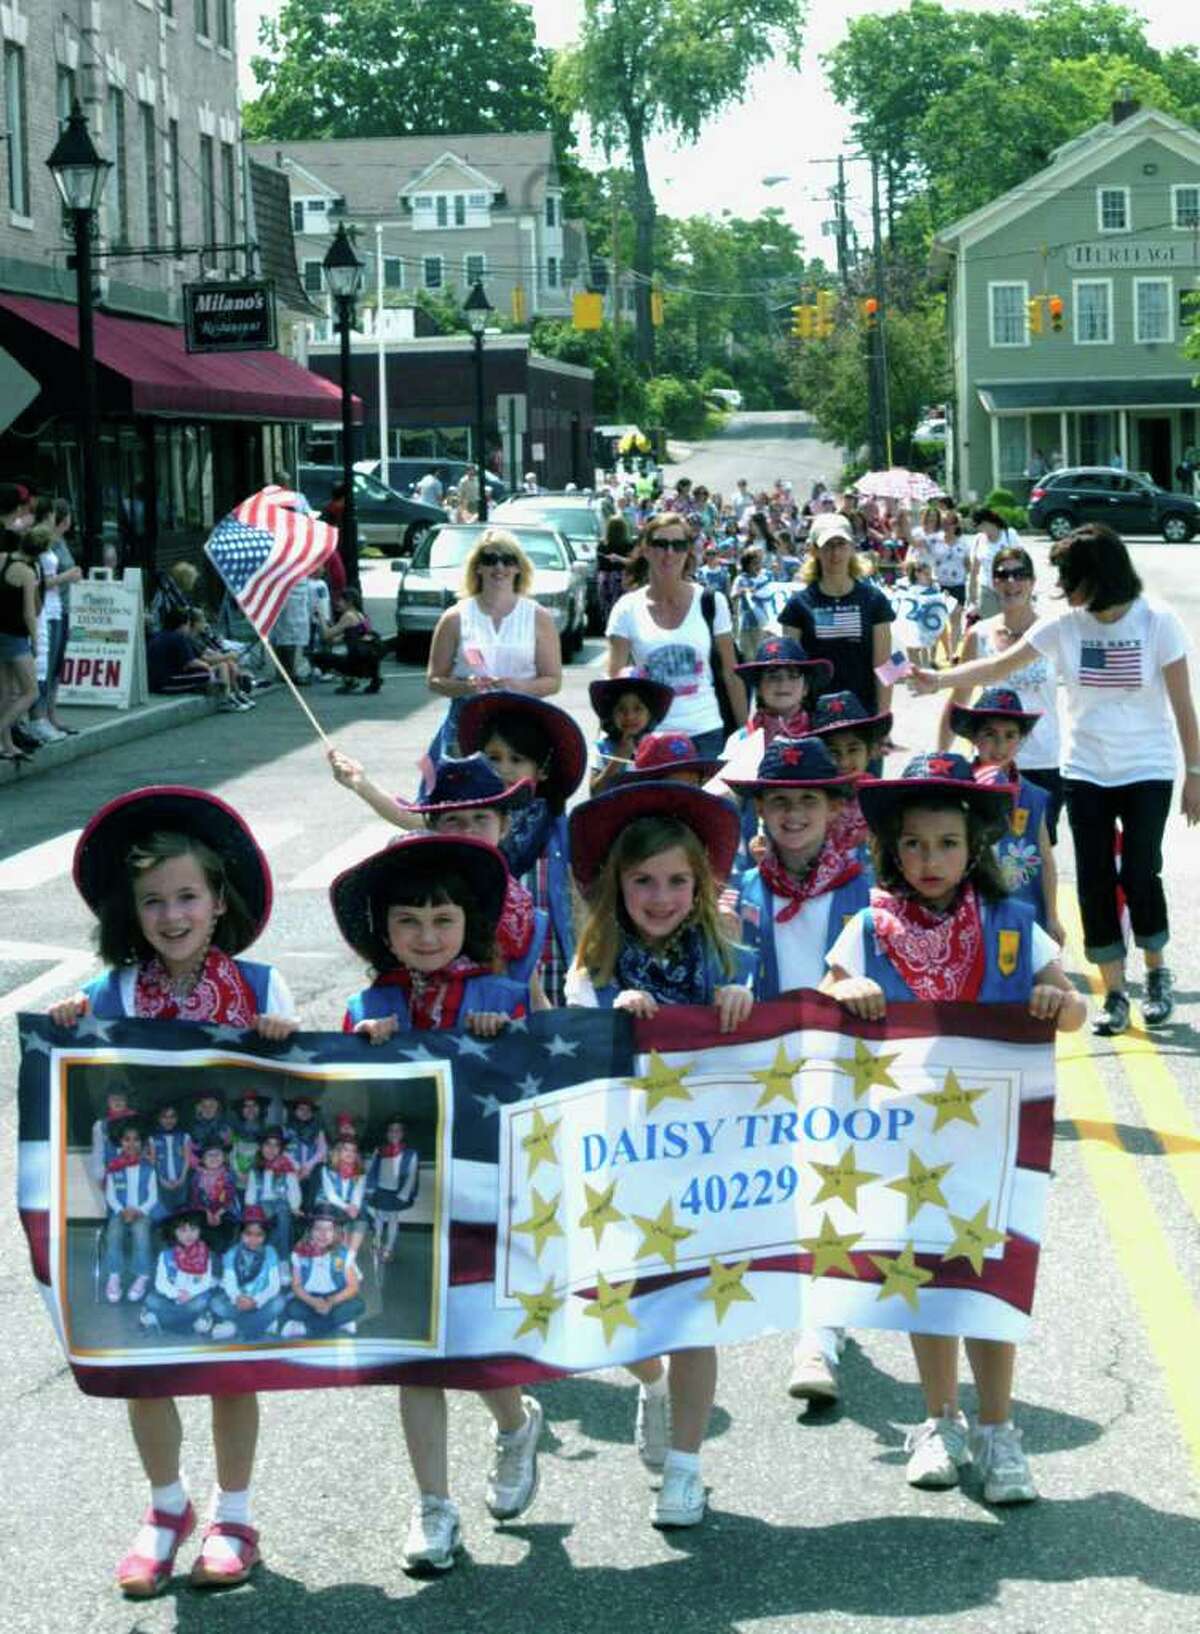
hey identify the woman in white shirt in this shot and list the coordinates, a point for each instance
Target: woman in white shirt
(1123, 664)
(661, 630)
(994, 535)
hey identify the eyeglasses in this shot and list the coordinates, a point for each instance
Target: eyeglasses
(1002, 575)
(496, 558)
(674, 542)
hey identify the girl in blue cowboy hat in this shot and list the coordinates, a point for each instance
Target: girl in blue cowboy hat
(628, 708)
(855, 738)
(942, 928)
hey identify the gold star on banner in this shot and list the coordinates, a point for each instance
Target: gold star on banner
(611, 1306)
(661, 1082)
(921, 1185)
(724, 1286)
(842, 1179)
(542, 1223)
(831, 1252)
(953, 1101)
(538, 1144)
(867, 1069)
(901, 1275)
(661, 1235)
(973, 1238)
(777, 1079)
(539, 1308)
(599, 1211)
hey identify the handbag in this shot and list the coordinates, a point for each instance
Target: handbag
(708, 611)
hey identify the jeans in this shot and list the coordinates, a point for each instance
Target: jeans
(250, 1324)
(1142, 810)
(1050, 779)
(138, 1233)
(325, 1327)
(176, 1318)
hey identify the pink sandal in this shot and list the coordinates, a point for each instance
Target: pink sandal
(141, 1578)
(217, 1572)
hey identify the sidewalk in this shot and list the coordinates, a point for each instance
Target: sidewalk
(103, 729)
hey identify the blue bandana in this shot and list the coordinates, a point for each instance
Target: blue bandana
(528, 835)
(679, 973)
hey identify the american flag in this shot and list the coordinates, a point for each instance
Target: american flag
(1110, 666)
(263, 549)
(896, 669)
(838, 623)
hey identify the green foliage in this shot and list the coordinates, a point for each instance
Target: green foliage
(999, 497)
(397, 68)
(595, 349)
(1013, 516)
(679, 405)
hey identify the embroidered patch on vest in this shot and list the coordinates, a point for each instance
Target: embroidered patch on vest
(1019, 821)
(1008, 946)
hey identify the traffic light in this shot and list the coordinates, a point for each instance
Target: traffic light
(518, 304)
(656, 308)
(826, 305)
(804, 322)
(587, 311)
(1057, 313)
(1034, 309)
(870, 312)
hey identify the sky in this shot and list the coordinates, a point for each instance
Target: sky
(783, 128)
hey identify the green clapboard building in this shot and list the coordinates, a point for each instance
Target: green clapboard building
(1068, 303)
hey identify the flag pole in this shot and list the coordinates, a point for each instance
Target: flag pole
(295, 691)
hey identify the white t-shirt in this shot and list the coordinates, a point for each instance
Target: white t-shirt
(1036, 685)
(799, 941)
(847, 952)
(679, 658)
(1120, 725)
(51, 597)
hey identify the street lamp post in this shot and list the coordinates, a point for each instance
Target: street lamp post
(344, 277)
(80, 173)
(478, 309)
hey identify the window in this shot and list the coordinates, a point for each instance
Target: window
(1185, 207)
(431, 272)
(474, 269)
(443, 210)
(423, 203)
(1008, 321)
(150, 170)
(460, 209)
(18, 129)
(64, 94)
(552, 272)
(1093, 312)
(551, 210)
(117, 196)
(229, 198)
(393, 272)
(203, 25)
(1012, 443)
(478, 201)
(1152, 309)
(1112, 209)
(208, 191)
(175, 184)
(297, 217)
(314, 274)
(224, 25)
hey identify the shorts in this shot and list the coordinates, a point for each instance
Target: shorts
(958, 591)
(13, 647)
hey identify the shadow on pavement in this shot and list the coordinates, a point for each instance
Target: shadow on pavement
(735, 1569)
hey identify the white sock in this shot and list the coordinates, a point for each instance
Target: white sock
(228, 1506)
(689, 1461)
(657, 1387)
(156, 1542)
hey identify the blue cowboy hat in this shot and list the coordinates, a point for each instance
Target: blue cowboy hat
(468, 783)
(842, 712)
(795, 763)
(779, 652)
(656, 696)
(993, 704)
(944, 773)
(355, 891)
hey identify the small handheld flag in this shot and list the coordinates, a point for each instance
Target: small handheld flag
(263, 549)
(896, 669)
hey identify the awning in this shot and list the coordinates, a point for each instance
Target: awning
(1048, 396)
(145, 368)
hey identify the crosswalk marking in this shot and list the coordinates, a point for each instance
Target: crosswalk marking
(323, 872)
(38, 864)
(70, 966)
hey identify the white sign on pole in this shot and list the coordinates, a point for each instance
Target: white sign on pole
(105, 660)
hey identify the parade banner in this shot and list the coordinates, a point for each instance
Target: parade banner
(592, 1190)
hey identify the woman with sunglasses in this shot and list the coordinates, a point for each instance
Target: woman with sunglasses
(1040, 754)
(497, 637)
(678, 634)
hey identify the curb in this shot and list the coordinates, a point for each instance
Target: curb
(91, 740)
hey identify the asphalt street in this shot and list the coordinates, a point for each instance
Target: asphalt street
(812, 1527)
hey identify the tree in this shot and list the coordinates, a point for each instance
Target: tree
(643, 66)
(398, 68)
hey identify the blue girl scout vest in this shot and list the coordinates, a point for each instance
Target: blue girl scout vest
(479, 993)
(104, 994)
(755, 910)
(1018, 852)
(1007, 951)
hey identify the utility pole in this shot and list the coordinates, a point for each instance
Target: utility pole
(881, 416)
(843, 246)
(616, 293)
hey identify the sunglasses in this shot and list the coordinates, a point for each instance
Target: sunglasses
(674, 542)
(496, 558)
(1004, 575)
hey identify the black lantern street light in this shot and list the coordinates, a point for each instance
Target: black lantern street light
(478, 310)
(344, 278)
(80, 173)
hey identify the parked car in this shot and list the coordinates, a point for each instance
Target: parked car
(1125, 500)
(385, 518)
(431, 579)
(930, 431)
(575, 515)
(405, 473)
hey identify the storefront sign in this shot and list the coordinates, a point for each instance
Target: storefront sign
(1158, 255)
(105, 661)
(233, 317)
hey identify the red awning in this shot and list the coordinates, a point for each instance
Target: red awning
(163, 377)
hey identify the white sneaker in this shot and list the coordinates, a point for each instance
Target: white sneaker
(137, 1289)
(937, 1451)
(652, 1431)
(225, 1330)
(112, 1289)
(514, 1475)
(202, 1324)
(681, 1500)
(148, 1320)
(42, 732)
(814, 1375)
(293, 1330)
(434, 1537)
(1001, 1461)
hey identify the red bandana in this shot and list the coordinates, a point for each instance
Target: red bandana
(279, 1165)
(940, 956)
(848, 827)
(217, 1190)
(392, 1151)
(514, 931)
(221, 994)
(776, 726)
(194, 1259)
(833, 867)
(122, 1162)
(433, 1000)
(347, 1170)
(308, 1250)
